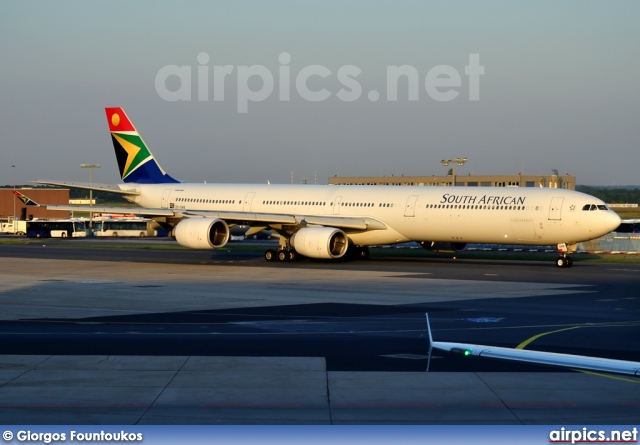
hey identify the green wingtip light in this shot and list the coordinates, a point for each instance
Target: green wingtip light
(465, 352)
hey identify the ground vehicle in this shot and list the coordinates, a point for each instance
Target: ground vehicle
(65, 228)
(116, 227)
(13, 226)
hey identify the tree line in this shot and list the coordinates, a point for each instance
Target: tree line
(612, 195)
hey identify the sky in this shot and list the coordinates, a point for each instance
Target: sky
(558, 89)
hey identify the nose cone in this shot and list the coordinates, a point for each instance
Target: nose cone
(612, 221)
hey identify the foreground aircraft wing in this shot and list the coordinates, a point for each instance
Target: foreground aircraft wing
(543, 358)
(111, 188)
(340, 222)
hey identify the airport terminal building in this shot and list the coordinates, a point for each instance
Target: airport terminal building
(40, 195)
(552, 181)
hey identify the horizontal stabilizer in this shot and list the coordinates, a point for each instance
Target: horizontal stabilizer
(110, 188)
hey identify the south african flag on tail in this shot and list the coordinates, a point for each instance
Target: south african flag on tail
(25, 199)
(135, 161)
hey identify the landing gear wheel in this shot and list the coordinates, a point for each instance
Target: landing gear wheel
(293, 255)
(564, 261)
(283, 255)
(270, 255)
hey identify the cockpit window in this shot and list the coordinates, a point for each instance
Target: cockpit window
(592, 207)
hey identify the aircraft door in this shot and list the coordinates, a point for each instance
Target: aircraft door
(248, 202)
(336, 205)
(555, 209)
(410, 206)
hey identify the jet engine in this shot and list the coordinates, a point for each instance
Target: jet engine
(443, 247)
(320, 242)
(201, 233)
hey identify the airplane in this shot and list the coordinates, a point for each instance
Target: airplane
(334, 221)
(539, 357)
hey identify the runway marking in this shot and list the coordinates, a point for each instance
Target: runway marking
(598, 374)
(525, 343)
(614, 377)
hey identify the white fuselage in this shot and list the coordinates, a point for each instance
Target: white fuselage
(535, 216)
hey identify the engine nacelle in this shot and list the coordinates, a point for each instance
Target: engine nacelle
(201, 233)
(443, 247)
(320, 242)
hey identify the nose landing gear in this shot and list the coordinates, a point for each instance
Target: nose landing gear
(564, 260)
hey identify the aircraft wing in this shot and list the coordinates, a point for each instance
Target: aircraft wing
(339, 222)
(111, 188)
(539, 357)
(251, 218)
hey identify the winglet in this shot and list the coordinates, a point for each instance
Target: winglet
(426, 314)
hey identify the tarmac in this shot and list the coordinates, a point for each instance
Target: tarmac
(174, 389)
(128, 390)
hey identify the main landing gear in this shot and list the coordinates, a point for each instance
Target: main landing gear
(285, 255)
(281, 255)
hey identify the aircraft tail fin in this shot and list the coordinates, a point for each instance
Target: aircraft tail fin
(135, 161)
(25, 199)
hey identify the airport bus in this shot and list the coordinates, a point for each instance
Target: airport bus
(63, 228)
(117, 227)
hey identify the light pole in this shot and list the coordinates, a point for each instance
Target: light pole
(14, 199)
(90, 167)
(459, 161)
